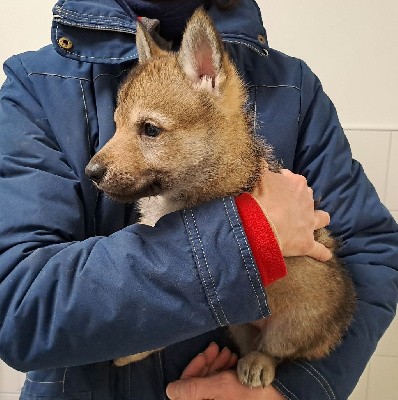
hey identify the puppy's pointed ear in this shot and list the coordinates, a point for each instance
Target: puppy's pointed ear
(201, 52)
(146, 46)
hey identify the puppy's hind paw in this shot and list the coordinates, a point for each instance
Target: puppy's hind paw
(256, 369)
(122, 361)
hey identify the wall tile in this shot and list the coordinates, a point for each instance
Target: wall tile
(372, 149)
(388, 345)
(383, 382)
(11, 381)
(395, 215)
(392, 186)
(34, 16)
(360, 390)
(334, 39)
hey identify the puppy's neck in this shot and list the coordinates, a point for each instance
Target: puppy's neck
(155, 207)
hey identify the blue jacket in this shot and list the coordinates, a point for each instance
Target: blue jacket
(81, 284)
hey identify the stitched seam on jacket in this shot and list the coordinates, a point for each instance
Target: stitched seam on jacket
(207, 266)
(199, 268)
(91, 57)
(244, 259)
(109, 18)
(260, 284)
(310, 373)
(70, 12)
(280, 86)
(100, 58)
(301, 96)
(113, 76)
(58, 76)
(255, 110)
(30, 380)
(299, 121)
(89, 150)
(102, 28)
(49, 382)
(77, 77)
(284, 389)
(248, 45)
(322, 377)
(86, 115)
(161, 378)
(63, 383)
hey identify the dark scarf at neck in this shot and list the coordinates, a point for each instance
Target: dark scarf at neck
(172, 14)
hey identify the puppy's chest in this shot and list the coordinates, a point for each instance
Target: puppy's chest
(153, 208)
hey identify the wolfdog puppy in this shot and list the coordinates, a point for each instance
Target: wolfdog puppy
(183, 138)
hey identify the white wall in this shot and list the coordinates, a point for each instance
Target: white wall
(352, 45)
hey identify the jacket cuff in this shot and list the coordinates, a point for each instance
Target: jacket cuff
(225, 262)
(264, 245)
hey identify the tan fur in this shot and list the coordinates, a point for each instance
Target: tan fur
(206, 149)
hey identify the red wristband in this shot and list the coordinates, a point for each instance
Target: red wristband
(264, 245)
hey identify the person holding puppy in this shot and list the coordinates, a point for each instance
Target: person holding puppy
(82, 284)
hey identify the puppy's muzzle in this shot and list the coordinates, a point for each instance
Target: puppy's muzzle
(95, 171)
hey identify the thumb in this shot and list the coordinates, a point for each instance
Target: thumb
(320, 252)
(192, 389)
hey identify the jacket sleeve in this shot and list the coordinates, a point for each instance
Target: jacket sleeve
(68, 299)
(369, 249)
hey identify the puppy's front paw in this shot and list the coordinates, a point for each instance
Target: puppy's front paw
(256, 369)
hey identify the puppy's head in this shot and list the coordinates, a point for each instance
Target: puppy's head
(180, 125)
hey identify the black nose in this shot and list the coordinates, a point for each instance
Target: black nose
(95, 171)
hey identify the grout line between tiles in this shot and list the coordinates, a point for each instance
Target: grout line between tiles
(384, 356)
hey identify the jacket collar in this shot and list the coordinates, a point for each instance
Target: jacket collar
(101, 31)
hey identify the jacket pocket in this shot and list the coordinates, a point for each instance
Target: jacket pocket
(74, 396)
(50, 384)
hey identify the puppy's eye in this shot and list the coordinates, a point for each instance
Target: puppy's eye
(150, 130)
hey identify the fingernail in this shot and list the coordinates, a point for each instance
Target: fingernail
(213, 344)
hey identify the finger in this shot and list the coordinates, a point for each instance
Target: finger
(199, 366)
(322, 219)
(286, 172)
(195, 367)
(232, 361)
(192, 389)
(221, 361)
(320, 252)
(211, 352)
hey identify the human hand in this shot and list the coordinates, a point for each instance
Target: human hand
(289, 204)
(202, 380)
(210, 362)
